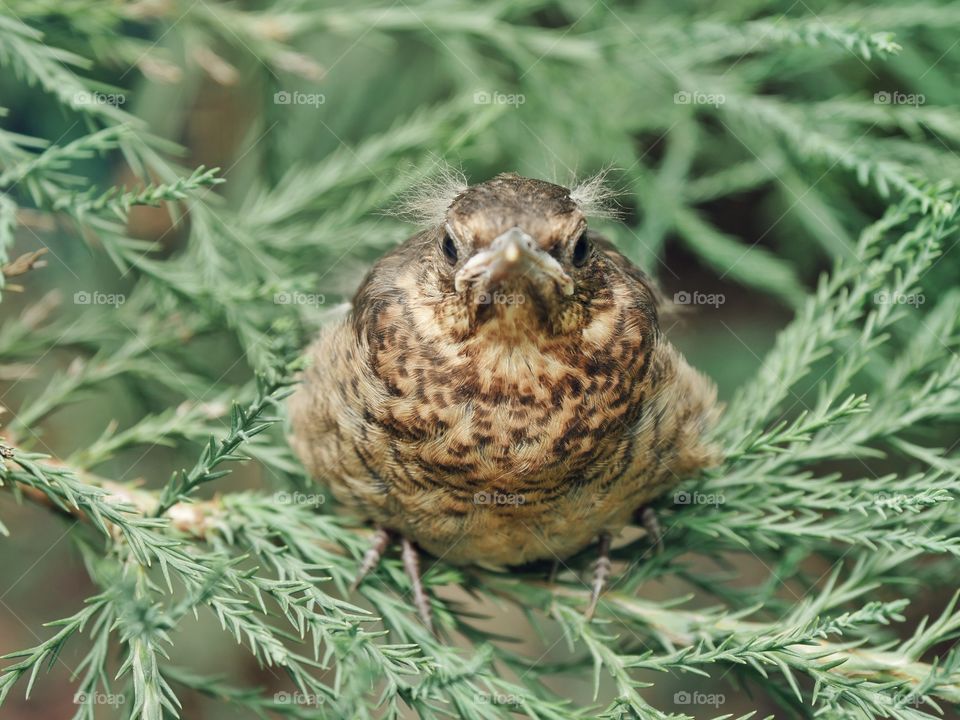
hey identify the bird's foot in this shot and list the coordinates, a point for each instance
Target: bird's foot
(411, 564)
(601, 571)
(647, 517)
(554, 571)
(371, 558)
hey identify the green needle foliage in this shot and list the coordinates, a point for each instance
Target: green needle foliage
(801, 156)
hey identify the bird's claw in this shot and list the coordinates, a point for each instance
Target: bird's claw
(411, 564)
(601, 571)
(648, 519)
(371, 558)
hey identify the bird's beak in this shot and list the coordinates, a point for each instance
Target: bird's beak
(512, 254)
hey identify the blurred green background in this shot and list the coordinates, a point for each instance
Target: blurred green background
(748, 143)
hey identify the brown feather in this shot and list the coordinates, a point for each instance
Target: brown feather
(504, 432)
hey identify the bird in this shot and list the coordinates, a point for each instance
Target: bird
(500, 391)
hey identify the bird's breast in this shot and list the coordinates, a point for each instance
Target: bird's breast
(524, 415)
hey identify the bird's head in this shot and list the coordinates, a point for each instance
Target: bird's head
(515, 252)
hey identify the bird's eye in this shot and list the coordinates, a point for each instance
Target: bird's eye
(581, 250)
(449, 249)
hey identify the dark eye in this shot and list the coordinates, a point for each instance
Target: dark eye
(581, 250)
(449, 249)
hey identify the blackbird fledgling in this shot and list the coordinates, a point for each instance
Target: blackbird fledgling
(501, 391)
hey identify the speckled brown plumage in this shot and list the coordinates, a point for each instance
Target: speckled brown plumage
(507, 404)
